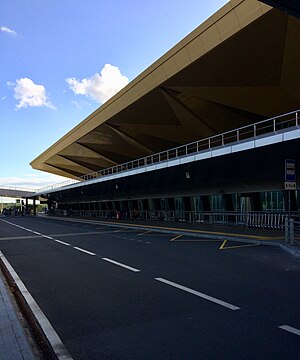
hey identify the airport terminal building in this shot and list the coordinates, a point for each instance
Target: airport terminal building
(211, 128)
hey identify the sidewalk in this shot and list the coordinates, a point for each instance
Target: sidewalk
(13, 341)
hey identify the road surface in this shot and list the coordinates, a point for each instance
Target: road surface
(117, 293)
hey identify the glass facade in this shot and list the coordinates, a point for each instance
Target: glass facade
(272, 201)
(265, 201)
(197, 205)
(179, 204)
(216, 203)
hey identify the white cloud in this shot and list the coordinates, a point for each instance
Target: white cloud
(80, 104)
(31, 181)
(8, 31)
(100, 87)
(30, 94)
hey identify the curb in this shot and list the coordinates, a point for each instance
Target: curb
(46, 337)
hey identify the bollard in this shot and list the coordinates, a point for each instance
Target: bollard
(286, 230)
(292, 234)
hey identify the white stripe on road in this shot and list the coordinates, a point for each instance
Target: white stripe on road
(61, 242)
(80, 233)
(197, 293)
(84, 251)
(23, 228)
(20, 237)
(122, 265)
(290, 329)
(48, 237)
(54, 340)
(10, 223)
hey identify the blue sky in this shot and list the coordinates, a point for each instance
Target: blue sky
(60, 59)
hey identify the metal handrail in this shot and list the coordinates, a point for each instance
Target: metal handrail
(297, 230)
(259, 129)
(262, 220)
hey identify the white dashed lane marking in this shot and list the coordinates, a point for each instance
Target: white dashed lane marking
(197, 293)
(122, 265)
(84, 251)
(290, 329)
(61, 242)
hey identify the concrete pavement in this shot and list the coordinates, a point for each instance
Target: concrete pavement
(13, 341)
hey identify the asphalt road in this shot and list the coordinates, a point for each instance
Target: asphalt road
(130, 294)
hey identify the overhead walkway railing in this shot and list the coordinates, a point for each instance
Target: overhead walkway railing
(272, 126)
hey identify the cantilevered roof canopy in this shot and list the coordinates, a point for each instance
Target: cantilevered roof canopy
(291, 7)
(240, 66)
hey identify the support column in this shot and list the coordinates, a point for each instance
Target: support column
(34, 205)
(171, 204)
(206, 203)
(229, 207)
(157, 204)
(228, 203)
(255, 202)
(290, 199)
(135, 205)
(145, 204)
(187, 203)
(117, 205)
(109, 205)
(26, 206)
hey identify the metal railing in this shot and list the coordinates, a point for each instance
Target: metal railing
(297, 231)
(268, 127)
(261, 220)
(266, 220)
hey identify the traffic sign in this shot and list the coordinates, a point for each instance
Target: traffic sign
(290, 170)
(290, 185)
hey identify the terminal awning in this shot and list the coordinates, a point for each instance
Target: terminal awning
(238, 67)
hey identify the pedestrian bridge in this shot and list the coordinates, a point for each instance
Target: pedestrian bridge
(15, 192)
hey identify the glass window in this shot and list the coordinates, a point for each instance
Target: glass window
(216, 203)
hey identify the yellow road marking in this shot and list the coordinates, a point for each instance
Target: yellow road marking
(144, 233)
(193, 231)
(222, 247)
(154, 234)
(276, 238)
(180, 229)
(223, 244)
(176, 237)
(190, 240)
